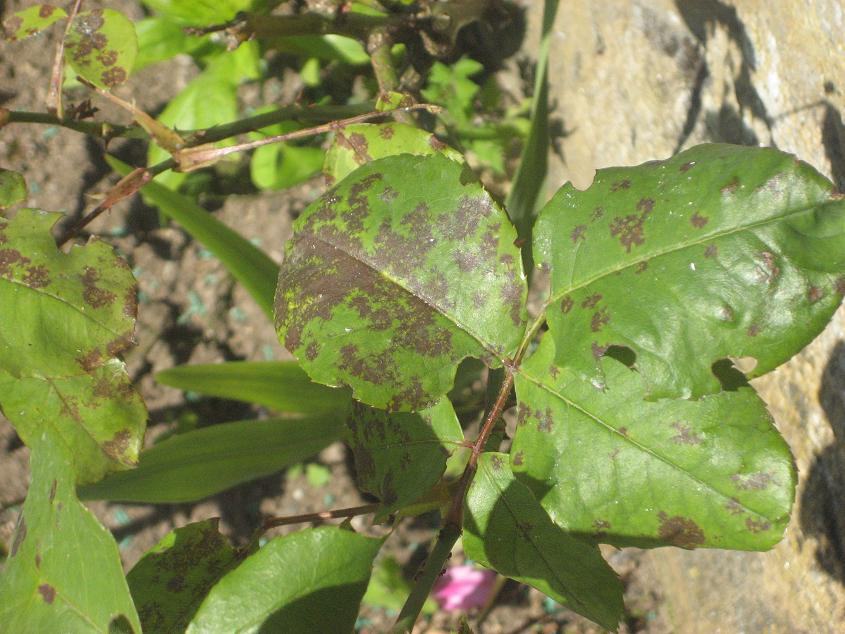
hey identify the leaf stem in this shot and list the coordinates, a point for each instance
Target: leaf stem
(273, 522)
(54, 95)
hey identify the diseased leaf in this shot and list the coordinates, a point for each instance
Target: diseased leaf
(362, 143)
(280, 385)
(721, 251)
(63, 573)
(400, 456)
(309, 581)
(65, 317)
(171, 580)
(12, 189)
(608, 465)
(506, 529)
(386, 287)
(101, 46)
(196, 464)
(31, 21)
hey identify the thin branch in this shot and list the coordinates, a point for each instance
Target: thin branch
(54, 95)
(273, 522)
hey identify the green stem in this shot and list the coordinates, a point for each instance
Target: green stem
(351, 24)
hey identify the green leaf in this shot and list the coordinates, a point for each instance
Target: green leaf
(65, 316)
(610, 466)
(247, 263)
(451, 87)
(400, 456)
(507, 530)
(197, 464)
(160, 39)
(101, 46)
(386, 287)
(31, 21)
(12, 188)
(282, 165)
(170, 581)
(721, 251)
(308, 582)
(388, 588)
(330, 47)
(362, 143)
(63, 573)
(202, 12)
(279, 385)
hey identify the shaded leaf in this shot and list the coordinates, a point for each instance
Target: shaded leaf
(615, 468)
(719, 251)
(280, 385)
(506, 529)
(386, 288)
(247, 263)
(388, 587)
(201, 12)
(400, 456)
(362, 143)
(200, 463)
(65, 317)
(311, 581)
(282, 165)
(170, 581)
(12, 188)
(31, 21)
(101, 46)
(59, 544)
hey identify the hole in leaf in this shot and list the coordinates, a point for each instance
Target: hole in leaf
(729, 375)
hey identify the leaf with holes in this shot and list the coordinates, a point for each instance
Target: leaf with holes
(388, 284)
(721, 251)
(400, 456)
(63, 573)
(613, 467)
(31, 21)
(101, 47)
(171, 580)
(65, 317)
(507, 530)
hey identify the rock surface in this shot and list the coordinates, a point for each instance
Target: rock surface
(632, 81)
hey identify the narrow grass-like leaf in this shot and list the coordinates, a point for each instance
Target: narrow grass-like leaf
(721, 251)
(400, 456)
(63, 573)
(64, 318)
(610, 466)
(31, 21)
(280, 385)
(386, 287)
(309, 582)
(247, 263)
(200, 463)
(171, 580)
(506, 529)
(101, 46)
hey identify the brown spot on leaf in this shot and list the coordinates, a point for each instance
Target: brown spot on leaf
(591, 301)
(645, 204)
(734, 507)
(711, 251)
(37, 560)
(752, 482)
(94, 296)
(619, 185)
(20, 535)
(545, 420)
(578, 233)
(522, 413)
(600, 527)
(814, 294)
(687, 166)
(597, 213)
(107, 58)
(436, 143)
(679, 531)
(37, 277)
(598, 351)
(698, 221)
(52, 494)
(731, 186)
(566, 304)
(770, 270)
(90, 361)
(839, 285)
(686, 435)
(311, 351)
(623, 431)
(386, 132)
(629, 229)
(114, 76)
(753, 330)
(641, 266)
(496, 463)
(47, 592)
(553, 371)
(599, 320)
(117, 446)
(757, 526)
(11, 258)
(45, 11)
(518, 459)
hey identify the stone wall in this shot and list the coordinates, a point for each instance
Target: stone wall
(634, 80)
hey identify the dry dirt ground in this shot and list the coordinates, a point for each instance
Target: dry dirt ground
(192, 312)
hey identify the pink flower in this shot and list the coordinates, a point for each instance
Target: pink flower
(464, 588)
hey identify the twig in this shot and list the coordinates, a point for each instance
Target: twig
(54, 95)
(273, 522)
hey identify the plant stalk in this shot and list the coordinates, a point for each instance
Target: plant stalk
(273, 522)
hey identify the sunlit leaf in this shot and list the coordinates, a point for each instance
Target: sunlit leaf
(31, 21)
(610, 466)
(65, 316)
(160, 39)
(506, 529)
(202, 12)
(282, 165)
(12, 188)
(386, 287)
(101, 47)
(309, 581)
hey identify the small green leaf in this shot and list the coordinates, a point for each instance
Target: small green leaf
(171, 580)
(388, 588)
(280, 385)
(202, 12)
(63, 573)
(386, 288)
(282, 165)
(309, 581)
(362, 143)
(451, 87)
(12, 189)
(247, 263)
(197, 464)
(400, 456)
(65, 316)
(507, 530)
(31, 21)
(101, 47)
(330, 47)
(612, 467)
(721, 251)
(160, 39)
